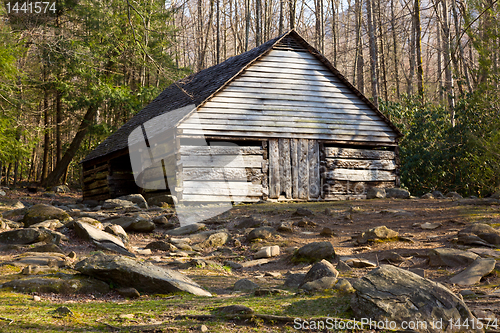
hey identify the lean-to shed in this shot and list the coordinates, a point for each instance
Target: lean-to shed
(300, 129)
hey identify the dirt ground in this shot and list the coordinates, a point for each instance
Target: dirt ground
(345, 218)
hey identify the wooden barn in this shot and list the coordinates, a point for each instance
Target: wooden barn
(303, 132)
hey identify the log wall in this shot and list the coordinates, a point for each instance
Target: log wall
(218, 173)
(350, 171)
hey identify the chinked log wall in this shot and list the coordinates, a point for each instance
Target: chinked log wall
(221, 173)
(352, 171)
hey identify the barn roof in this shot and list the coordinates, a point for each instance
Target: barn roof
(199, 87)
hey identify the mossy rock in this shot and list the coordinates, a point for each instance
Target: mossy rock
(59, 284)
(39, 213)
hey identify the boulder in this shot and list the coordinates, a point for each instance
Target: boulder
(446, 257)
(393, 294)
(344, 285)
(323, 283)
(60, 189)
(397, 193)
(49, 259)
(39, 213)
(101, 238)
(66, 284)
(161, 246)
(143, 276)
(303, 212)
(3, 225)
(46, 248)
(249, 222)
(294, 280)
(161, 200)
(128, 292)
(484, 231)
(49, 224)
(260, 233)
(233, 310)
(286, 226)
(136, 222)
(438, 194)
(454, 195)
(93, 222)
(214, 240)
(313, 252)
(267, 252)
(117, 230)
(327, 232)
(473, 274)
(186, 230)
(29, 236)
(427, 196)
(375, 193)
(381, 233)
(135, 198)
(319, 270)
(360, 263)
(118, 204)
(245, 285)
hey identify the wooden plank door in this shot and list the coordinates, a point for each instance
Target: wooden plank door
(294, 169)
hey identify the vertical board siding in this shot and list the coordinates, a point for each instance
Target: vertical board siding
(295, 167)
(314, 176)
(303, 166)
(274, 169)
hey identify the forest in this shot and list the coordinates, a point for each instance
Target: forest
(73, 71)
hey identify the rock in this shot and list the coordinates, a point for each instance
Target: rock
(286, 226)
(117, 230)
(118, 204)
(485, 253)
(314, 252)
(273, 274)
(245, 285)
(63, 311)
(392, 257)
(319, 270)
(343, 285)
(135, 198)
(29, 236)
(161, 246)
(186, 230)
(14, 212)
(49, 259)
(66, 284)
(161, 200)
(215, 240)
(250, 222)
(137, 222)
(393, 294)
(305, 222)
(144, 276)
(256, 262)
(360, 263)
(233, 265)
(37, 298)
(49, 224)
(473, 274)
(483, 231)
(343, 267)
(233, 310)
(93, 222)
(267, 252)
(326, 232)
(60, 189)
(454, 195)
(381, 233)
(427, 196)
(471, 239)
(397, 193)
(128, 292)
(430, 226)
(303, 212)
(268, 292)
(437, 194)
(101, 238)
(450, 257)
(294, 280)
(2, 193)
(160, 220)
(47, 248)
(3, 225)
(375, 193)
(260, 233)
(39, 213)
(12, 204)
(323, 283)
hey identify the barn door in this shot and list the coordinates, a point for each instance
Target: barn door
(294, 169)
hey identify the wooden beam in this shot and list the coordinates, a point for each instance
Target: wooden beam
(294, 167)
(285, 168)
(360, 175)
(314, 176)
(274, 169)
(303, 166)
(334, 163)
(335, 152)
(228, 161)
(221, 150)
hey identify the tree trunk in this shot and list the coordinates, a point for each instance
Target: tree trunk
(58, 126)
(282, 13)
(247, 23)
(56, 174)
(418, 46)
(382, 53)
(395, 46)
(293, 7)
(46, 144)
(373, 52)
(258, 18)
(360, 62)
(334, 32)
(218, 32)
(409, 88)
(447, 62)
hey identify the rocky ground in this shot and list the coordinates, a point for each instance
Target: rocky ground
(127, 265)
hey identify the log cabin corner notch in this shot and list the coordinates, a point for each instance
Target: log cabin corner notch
(304, 131)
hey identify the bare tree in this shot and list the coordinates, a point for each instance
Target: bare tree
(373, 51)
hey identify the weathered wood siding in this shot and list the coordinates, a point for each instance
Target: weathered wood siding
(290, 94)
(95, 182)
(348, 171)
(221, 173)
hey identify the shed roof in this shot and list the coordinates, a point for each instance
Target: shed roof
(199, 87)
